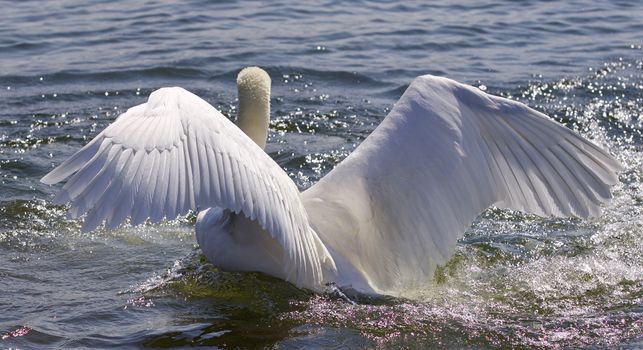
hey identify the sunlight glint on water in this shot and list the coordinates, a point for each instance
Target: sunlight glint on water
(515, 281)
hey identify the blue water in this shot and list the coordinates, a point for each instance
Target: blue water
(67, 69)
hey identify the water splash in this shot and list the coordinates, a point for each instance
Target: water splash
(523, 281)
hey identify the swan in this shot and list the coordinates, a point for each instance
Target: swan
(380, 222)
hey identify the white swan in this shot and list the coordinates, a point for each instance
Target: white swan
(382, 220)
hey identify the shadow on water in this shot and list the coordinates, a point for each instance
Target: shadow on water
(221, 308)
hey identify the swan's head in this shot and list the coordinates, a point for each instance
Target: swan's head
(253, 84)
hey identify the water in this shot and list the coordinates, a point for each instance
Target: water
(517, 281)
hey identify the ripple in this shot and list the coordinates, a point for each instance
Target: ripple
(516, 281)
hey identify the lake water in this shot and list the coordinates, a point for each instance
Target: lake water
(67, 69)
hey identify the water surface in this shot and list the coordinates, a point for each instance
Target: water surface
(68, 69)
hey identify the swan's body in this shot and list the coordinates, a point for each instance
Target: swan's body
(382, 220)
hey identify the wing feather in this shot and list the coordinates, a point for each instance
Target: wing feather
(445, 153)
(204, 176)
(181, 185)
(146, 187)
(115, 188)
(160, 188)
(177, 153)
(75, 162)
(192, 153)
(119, 211)
(567, 195)
(173, 185)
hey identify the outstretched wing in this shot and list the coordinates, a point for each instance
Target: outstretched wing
(444, 154)
(177, 153)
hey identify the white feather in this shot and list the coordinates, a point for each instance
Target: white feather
(381, 221)
(446, 152)
(172, 165)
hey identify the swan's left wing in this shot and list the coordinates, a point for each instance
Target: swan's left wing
(177, 153)
(397, 205)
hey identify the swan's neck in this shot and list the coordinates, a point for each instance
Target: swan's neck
(253, 84)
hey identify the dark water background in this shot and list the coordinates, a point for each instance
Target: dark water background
(67, 69)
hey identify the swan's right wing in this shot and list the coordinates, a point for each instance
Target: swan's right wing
(177, 153)
(447, 151)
